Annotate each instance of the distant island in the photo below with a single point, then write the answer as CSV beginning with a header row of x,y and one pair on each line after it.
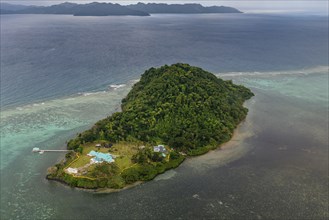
x,y
108,9
160,8
171,113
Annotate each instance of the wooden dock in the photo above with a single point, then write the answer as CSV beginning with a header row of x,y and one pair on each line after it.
x,y
38,150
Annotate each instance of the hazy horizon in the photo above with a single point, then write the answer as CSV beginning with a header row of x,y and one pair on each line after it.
x,y
60,74
291,6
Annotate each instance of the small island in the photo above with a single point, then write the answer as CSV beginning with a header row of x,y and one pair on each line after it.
x,y
171,113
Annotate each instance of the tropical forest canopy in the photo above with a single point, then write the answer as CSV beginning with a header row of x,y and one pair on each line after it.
x,y
184,107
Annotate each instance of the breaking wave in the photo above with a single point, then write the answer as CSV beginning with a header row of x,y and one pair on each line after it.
x,y
306,71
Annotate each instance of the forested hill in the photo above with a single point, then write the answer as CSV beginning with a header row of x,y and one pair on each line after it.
x,y
180,105
89,9
158,8
107,9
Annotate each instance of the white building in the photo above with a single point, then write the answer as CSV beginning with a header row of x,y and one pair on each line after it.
x,y
160,148
72,170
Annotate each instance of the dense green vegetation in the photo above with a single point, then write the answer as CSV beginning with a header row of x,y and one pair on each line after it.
x,y
184,107
108,175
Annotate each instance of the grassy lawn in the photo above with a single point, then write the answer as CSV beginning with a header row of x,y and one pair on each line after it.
x,y
123,151
83,160
89,147
123,162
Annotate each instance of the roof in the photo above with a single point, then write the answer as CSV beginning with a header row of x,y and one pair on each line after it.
x,y
159,148
72,170
100,157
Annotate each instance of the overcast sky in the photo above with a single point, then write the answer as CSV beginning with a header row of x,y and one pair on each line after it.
x,y
258,6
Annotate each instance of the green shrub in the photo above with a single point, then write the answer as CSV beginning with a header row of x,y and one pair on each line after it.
x,y
179,105
174,155
130,175
116,182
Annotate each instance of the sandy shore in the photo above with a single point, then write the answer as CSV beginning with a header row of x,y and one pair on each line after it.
x,y
232,150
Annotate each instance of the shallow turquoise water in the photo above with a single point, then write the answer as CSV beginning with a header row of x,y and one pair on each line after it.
x,y
52,88
29,126
277,168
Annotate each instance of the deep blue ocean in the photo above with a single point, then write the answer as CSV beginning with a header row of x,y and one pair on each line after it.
x,y
60,74
46,57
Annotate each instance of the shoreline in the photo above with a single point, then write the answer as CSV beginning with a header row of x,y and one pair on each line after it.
x,y
237,136
229,151
164,120
97,190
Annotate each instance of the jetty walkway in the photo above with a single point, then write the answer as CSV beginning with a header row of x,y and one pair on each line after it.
x,y
38,150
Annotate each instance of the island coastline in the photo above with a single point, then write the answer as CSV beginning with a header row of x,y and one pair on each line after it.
x,y
237,134
129,162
